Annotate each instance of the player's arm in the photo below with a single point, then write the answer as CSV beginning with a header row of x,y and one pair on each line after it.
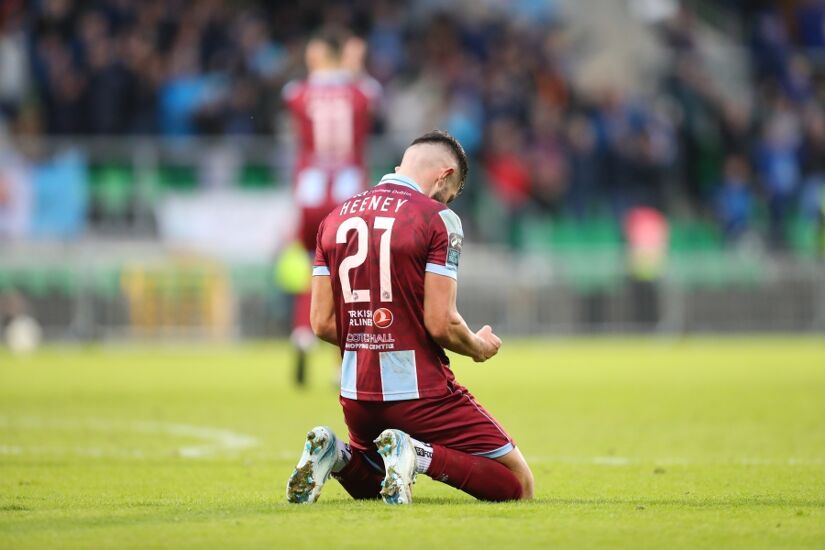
x,y
322,310
322,303
447,327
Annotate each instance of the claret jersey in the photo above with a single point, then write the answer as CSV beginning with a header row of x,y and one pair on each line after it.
x,y
376,247
332,112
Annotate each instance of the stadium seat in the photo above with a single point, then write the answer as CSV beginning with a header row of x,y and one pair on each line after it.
x,y
694,236
802,236
112,191
106,282
6,280
256,177
252,278
177,178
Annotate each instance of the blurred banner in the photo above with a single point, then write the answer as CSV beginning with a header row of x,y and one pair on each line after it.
x,y
227,225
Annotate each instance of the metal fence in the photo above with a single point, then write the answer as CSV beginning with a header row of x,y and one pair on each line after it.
x,y
119,280
697,293
137,291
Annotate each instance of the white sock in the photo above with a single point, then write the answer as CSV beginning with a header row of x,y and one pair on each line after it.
x,y
344,453
423,456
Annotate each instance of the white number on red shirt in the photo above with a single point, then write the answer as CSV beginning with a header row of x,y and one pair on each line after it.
x,y
360,256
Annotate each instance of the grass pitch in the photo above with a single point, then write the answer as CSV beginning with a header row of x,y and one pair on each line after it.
x,y
636,444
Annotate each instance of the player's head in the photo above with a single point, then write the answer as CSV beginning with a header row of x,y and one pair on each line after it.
x,y
325,49
438,163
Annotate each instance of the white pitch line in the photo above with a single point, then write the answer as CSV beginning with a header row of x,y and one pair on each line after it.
x,y
673,461
91,452
217,440
224,441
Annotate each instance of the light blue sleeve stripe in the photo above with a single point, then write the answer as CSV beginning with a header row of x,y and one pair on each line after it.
x,y
320,270
442,270
497,453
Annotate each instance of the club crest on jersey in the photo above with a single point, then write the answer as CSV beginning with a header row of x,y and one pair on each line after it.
x,y
455,241
382,318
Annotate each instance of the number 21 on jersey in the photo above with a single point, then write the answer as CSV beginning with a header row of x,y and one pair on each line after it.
x,y
360,256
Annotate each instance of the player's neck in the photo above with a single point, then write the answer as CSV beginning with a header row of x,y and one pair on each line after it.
x,y
422,183
325,68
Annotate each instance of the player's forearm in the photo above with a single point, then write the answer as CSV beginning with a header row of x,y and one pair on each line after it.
x,y
456,336
325,330
330,336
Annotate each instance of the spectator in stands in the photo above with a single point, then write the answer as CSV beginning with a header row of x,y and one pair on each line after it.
x,y
109,83
777,162
15,195
63,85
14,69
55,198
813,162
508,172
770,47
583,188
182,94
810,22
548,163
208,68
734,199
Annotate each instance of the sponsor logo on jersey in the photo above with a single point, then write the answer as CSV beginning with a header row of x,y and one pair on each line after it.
x,y
360,318
382,318
381,341
455,242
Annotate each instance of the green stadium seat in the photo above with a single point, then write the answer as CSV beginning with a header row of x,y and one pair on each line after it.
x,y
106,283
63,280
6,280
376,172
177,178
565,235
33,281
112,190
149,189
535,232
694,236
256,177
252,278
592,271
802,236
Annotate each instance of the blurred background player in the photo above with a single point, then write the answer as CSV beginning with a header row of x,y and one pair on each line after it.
x,y
332,112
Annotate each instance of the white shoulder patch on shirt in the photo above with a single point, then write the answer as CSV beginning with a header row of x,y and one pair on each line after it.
x,y
451,221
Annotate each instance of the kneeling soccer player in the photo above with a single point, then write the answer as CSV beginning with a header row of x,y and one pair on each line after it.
x,y
384,290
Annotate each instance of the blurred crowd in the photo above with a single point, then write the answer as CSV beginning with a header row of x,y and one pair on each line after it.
x,y
500,79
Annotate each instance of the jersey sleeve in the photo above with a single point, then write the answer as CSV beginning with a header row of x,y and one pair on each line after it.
x,y
320,267
372,90
446,240
290,93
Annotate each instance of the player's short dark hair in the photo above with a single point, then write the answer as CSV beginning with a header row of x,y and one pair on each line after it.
x,y
440,137
333,38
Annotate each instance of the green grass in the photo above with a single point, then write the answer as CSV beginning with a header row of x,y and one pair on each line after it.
x,y
633,443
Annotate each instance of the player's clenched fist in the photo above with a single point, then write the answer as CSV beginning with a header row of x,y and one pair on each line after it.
x,y
489,344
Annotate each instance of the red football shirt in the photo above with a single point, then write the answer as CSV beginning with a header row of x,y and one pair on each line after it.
x,y
332,114
376,247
